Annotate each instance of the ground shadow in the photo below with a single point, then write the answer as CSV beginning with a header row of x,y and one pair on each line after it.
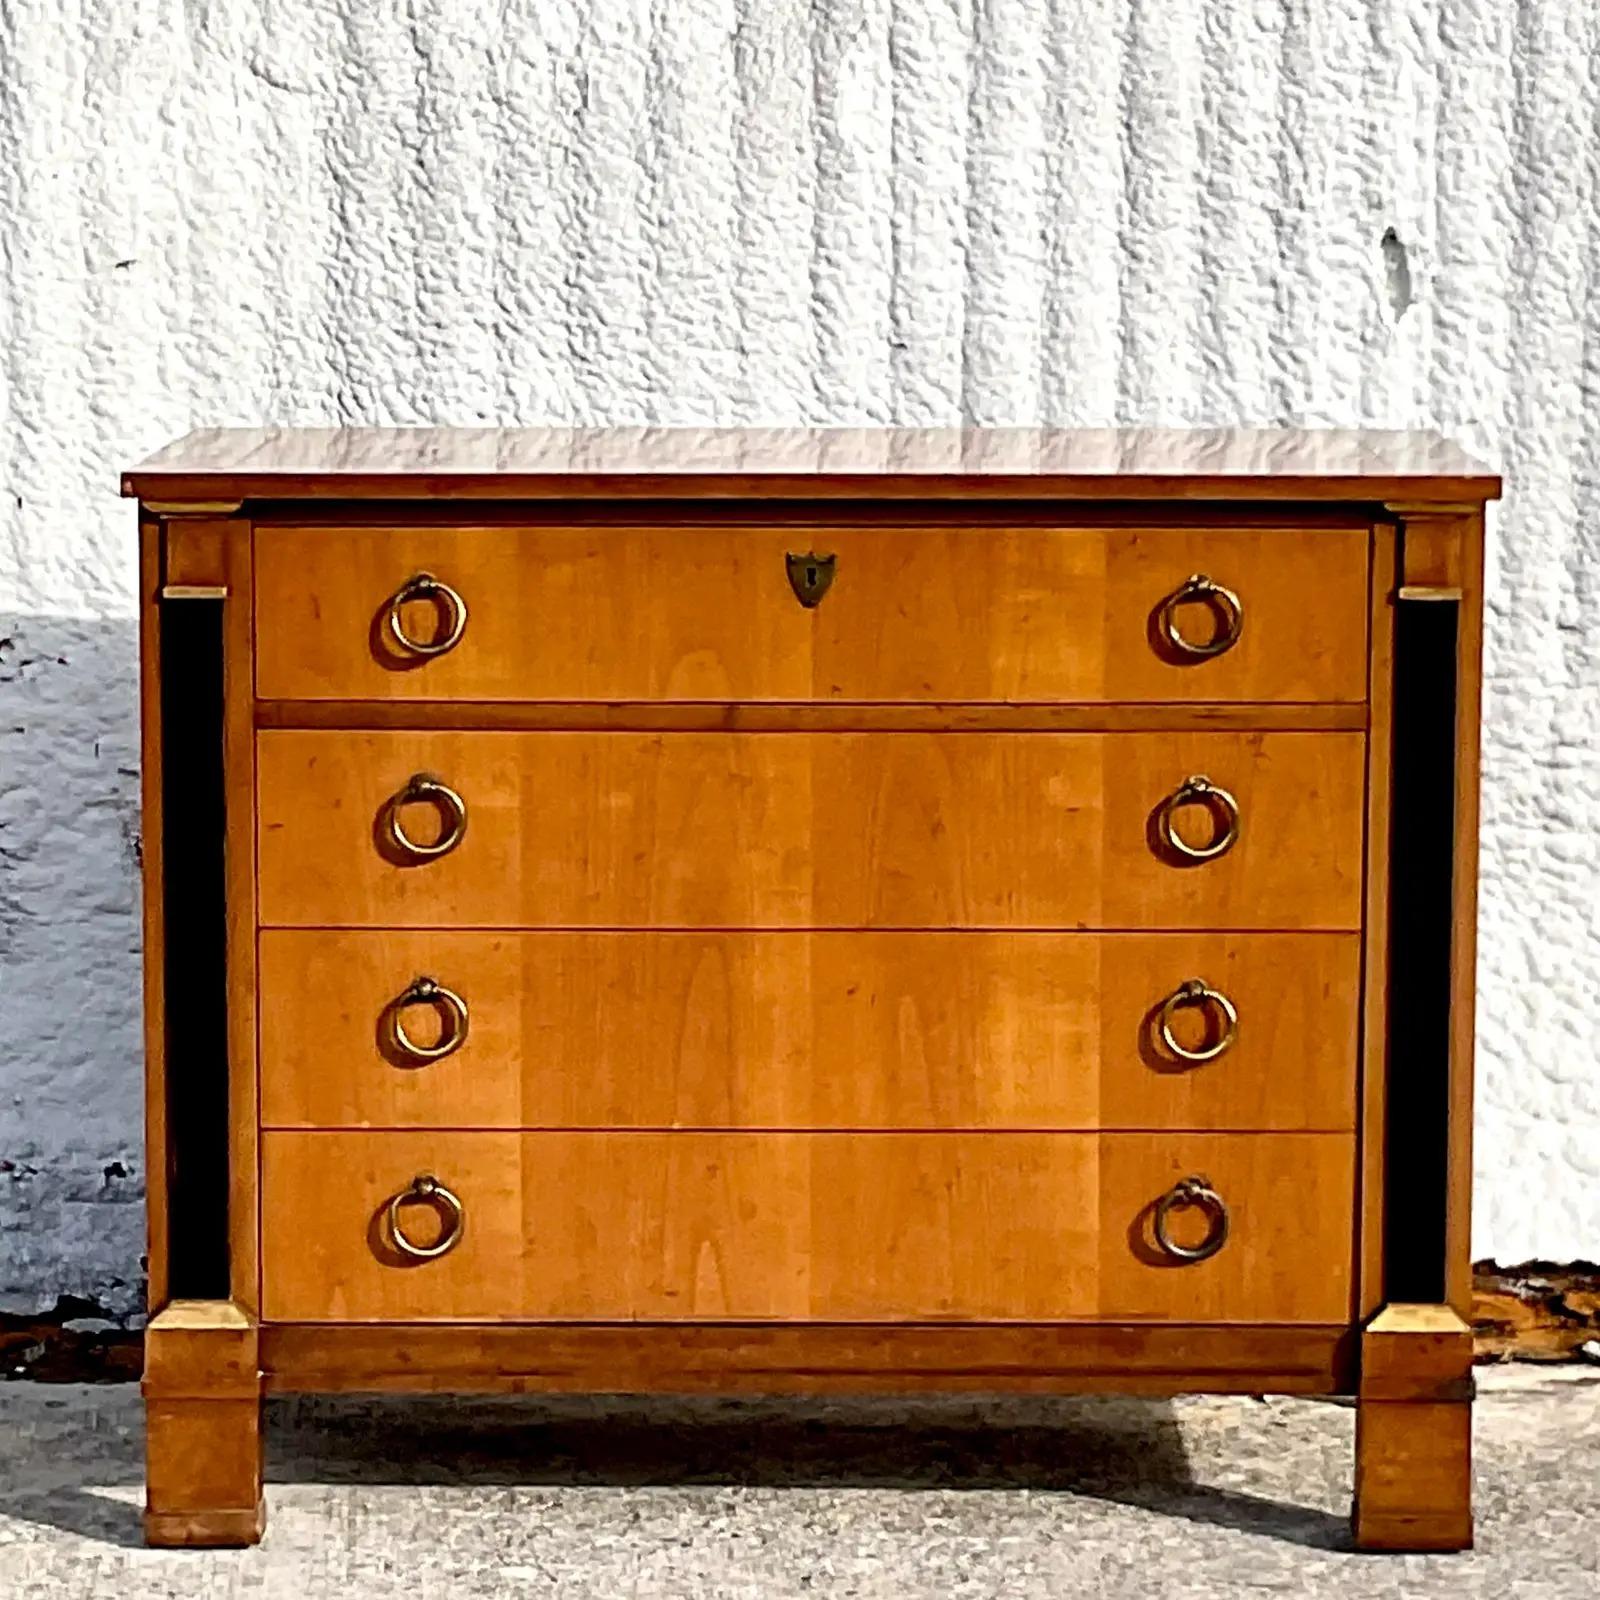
x,y
1111,1448
61,1446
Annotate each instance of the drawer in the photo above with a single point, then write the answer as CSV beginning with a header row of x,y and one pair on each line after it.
x,y
800,830
796,1226
807,1030
933,613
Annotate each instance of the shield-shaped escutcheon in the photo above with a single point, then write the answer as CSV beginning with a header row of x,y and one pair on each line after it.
x,y
810,576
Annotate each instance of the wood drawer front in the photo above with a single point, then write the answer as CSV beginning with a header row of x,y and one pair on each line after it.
x,y
796,1226
930,613
811,830
807,1030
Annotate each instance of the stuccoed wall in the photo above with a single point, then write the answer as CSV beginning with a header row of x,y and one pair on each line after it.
x,y
850,211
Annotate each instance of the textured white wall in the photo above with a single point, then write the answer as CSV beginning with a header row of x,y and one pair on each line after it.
x,y
855,211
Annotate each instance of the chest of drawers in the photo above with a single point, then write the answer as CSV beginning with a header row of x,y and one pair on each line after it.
x,y
807,911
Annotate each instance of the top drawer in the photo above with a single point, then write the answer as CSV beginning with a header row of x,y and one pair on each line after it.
x,y
712,613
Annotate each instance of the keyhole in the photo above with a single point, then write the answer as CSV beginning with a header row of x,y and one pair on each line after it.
x,y
811,577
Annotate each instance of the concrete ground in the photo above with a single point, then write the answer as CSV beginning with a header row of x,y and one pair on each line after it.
x,y
611,1498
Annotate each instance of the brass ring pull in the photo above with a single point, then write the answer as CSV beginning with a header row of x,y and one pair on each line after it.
x,y
1227,605
1197,992
1200,791
424,586
426,992
429,1191
425,787
1194,1191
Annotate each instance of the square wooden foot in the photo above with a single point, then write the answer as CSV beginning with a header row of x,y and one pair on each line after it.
x,y
1414,1432
202,1389
1413,1476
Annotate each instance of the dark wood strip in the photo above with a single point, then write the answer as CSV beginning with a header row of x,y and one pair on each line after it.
x,y
793,717
192,1205
814,1358
854,1129
699,929
1269,517
1421,958
152,858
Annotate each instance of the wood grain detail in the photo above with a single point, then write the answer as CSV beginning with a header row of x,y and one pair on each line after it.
x,y
807,1030
195,555
1414,1431
1464,918
974,614
831,1227
200,1350
202,1389
1375,926
239,849
1413,1477
765,1358
811,830
788,716
1183,464
812,953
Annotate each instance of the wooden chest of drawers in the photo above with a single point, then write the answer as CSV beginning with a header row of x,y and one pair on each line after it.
x,y
810,911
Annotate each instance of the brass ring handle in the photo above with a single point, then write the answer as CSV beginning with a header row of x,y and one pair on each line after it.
x,y
1199,791
426,992
1197,992
1195,1191
424,786
424,586
1231,609
429,1191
